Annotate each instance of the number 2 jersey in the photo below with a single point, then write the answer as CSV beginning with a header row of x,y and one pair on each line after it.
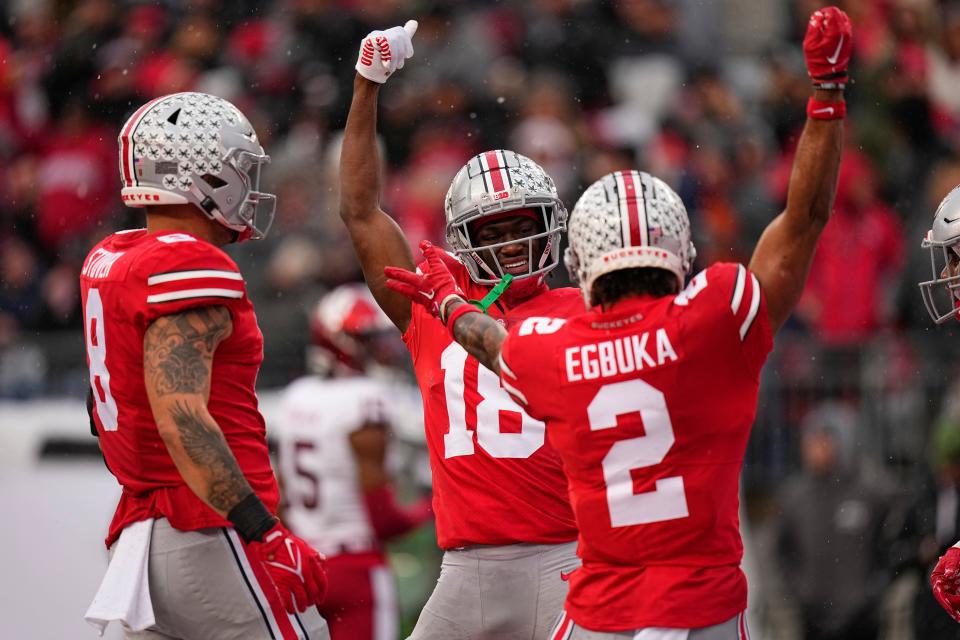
x,y
495,479
650,405
129,280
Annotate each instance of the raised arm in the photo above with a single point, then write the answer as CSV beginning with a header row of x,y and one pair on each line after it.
x,y
782,257
377,239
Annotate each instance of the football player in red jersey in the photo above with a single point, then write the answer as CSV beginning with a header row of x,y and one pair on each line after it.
x,y
941,295
502,512
174,349
332,432
649,396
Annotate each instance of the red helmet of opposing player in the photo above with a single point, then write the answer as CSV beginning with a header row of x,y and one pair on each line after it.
x,y
350,333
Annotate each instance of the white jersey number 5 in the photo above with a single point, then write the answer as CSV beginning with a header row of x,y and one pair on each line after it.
x,y
668,501
106,406
493,402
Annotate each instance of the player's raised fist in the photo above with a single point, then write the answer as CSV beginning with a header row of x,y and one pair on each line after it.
x,y
945,581
383,52
827,47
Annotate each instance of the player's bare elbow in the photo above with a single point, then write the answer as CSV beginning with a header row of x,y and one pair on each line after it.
x,y
167,429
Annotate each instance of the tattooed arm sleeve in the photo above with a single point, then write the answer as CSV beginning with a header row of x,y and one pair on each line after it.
x,y
177,361
480,335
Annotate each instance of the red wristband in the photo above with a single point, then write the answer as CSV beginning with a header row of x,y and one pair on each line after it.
x,y
820,110
463,309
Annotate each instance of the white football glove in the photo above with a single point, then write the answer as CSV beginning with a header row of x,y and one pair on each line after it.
x,y
383,52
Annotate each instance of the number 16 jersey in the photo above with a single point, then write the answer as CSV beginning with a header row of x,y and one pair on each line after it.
x,y
496,480
650,405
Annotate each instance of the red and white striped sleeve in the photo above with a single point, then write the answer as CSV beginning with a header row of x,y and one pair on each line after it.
x,y
192,273
745,301
749,310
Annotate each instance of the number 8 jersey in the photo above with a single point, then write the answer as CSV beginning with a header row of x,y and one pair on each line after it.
x,y
129,280
650,406
495,479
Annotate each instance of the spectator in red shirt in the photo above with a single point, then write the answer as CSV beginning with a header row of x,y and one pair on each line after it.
x,y
76,178
852,280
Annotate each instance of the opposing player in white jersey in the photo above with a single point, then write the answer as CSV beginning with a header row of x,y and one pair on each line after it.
x,y
503,513
333,427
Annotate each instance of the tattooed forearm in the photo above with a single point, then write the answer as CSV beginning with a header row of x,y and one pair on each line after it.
x,y
178,349
481,336
205,445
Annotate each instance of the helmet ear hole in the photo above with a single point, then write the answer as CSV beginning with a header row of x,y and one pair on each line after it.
x,y
214,181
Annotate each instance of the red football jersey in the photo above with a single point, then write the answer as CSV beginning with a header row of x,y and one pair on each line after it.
x,y
649,406
495,479
128,280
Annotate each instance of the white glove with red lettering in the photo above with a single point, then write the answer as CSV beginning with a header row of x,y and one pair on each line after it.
x,y
383,52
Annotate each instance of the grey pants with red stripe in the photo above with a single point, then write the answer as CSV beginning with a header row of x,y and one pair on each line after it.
x,y
733,629
203,587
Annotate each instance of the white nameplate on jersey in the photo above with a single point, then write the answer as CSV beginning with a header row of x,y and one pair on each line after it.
x,y
170,238
99,263
617,357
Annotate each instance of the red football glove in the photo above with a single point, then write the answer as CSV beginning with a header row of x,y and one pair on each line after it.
x,y
827,47
296,568
434,288
946,582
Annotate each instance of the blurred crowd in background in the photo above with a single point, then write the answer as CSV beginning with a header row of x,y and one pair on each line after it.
x,y
707,94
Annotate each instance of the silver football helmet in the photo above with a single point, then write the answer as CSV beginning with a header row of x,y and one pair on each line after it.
x,y
199,149
494,183
624,220
941,294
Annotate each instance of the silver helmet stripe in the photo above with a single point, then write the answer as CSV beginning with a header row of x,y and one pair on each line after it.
x,y
630,192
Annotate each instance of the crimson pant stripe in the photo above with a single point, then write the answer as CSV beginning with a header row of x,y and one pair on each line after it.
x,y
562,627
496,177
253,594
126,150
296,616
263,588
